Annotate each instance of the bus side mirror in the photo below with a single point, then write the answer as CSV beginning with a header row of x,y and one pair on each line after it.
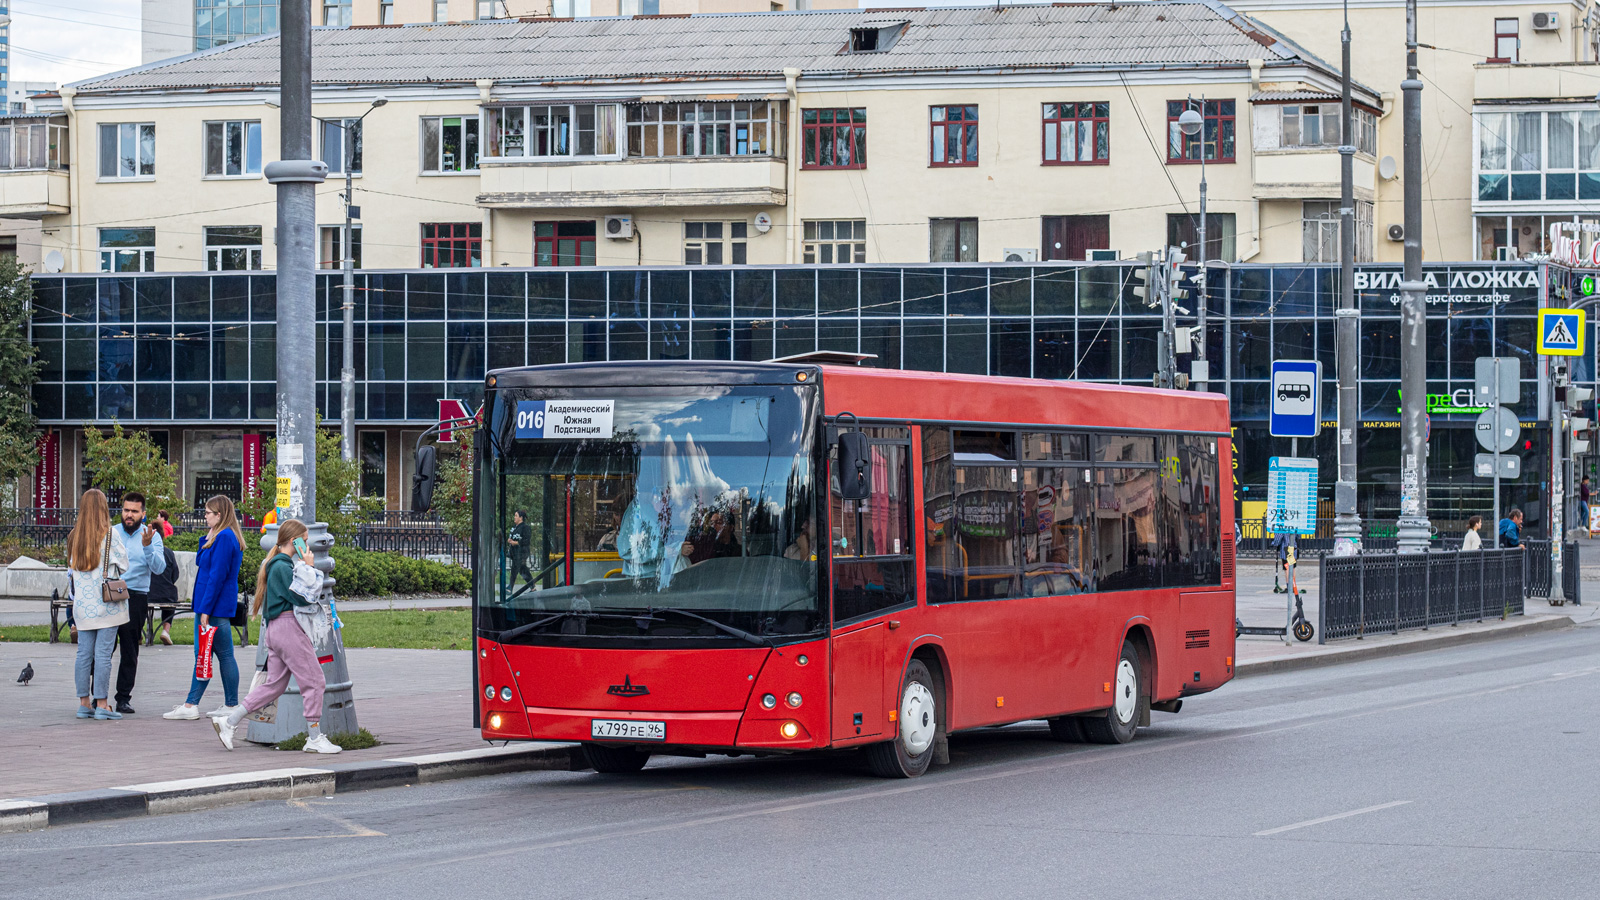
x,y
422,482
855,466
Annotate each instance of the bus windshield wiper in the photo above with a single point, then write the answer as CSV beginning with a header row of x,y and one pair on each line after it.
x,y
520,630
720,626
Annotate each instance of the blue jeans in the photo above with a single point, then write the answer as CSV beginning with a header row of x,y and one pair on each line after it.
x,y
222,646
94,662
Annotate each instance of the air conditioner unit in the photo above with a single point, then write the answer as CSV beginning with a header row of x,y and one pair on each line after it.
x,y
1505,254
1546,21
1021,254
1102,256
619,228
1397,232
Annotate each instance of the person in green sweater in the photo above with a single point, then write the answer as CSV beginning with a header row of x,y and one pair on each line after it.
x,y
289,650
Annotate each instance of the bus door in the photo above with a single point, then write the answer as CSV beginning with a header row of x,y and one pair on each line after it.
x,y
581,515
873,568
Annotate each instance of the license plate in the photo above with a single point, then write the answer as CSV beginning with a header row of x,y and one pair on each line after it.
x,y
627,730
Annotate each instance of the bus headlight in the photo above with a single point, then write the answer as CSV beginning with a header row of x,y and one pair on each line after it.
x,y
488,692
505,693
789,730
793,699
768,701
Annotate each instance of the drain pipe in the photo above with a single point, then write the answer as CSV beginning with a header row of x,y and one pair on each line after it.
x,y
790,78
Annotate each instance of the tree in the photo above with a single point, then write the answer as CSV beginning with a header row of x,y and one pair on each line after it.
x,y
19,370
338,481
125,461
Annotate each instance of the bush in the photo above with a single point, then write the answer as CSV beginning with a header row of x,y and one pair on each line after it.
x,y
356,572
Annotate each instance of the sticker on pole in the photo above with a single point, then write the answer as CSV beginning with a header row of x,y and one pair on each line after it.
x,y
564,419
1296,398
1561,332
1292,495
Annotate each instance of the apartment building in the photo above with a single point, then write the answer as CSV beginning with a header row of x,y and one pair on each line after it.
x,y
178,27
975,134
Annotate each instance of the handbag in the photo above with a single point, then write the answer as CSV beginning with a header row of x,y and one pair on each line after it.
x,y
112,590
205,640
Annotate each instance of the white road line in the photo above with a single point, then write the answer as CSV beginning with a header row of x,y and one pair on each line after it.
x,y
1343,815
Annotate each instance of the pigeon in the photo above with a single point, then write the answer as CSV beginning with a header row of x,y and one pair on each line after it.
x,y
26,676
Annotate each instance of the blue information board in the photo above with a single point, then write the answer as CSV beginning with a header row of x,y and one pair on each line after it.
x,y
1292,495
1296,398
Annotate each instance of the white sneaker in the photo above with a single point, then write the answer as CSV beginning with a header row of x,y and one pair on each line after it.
x,y
222,711
321,744
224,732
182,711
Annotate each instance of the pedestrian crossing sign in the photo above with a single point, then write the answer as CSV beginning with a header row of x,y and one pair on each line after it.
x,y
1561,332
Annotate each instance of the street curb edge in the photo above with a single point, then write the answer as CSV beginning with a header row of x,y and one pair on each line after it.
x,y
1380,651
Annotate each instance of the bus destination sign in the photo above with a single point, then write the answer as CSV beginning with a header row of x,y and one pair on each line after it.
x,y
564,419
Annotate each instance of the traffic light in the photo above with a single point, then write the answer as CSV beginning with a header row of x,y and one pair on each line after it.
x,y
1174,275
1143,280
1582,434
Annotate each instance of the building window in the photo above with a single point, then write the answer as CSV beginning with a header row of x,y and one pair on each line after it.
x,y
1077,134
1072,237
714,243
954,135
491,9
336,13
1318,125
1217,136
569,9
127,249
233,248
651,7
952,240
233,149
452,245
834,138
374,463
1552,155
386,12
552,132
1184,228
835,241
334,133
8,246
128,150
35,145
705,129
1506,42
330,240
563,243
1319,231
449,144
217,23
441,10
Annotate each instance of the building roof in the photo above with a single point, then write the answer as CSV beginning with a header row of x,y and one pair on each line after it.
x,y
1129,35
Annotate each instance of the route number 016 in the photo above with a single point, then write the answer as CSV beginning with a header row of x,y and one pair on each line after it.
x,y
531,418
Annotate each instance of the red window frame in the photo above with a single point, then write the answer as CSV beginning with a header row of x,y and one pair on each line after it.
x,y
549,238
1220,128
1515,34
964,120
451,245
824,131
1094,115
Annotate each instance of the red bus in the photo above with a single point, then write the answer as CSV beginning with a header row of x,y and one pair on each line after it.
x,y
757,558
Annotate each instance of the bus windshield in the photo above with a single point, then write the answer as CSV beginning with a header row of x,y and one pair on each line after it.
x,y
651,513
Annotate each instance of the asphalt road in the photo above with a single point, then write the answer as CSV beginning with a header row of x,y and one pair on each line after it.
x,y
1453,774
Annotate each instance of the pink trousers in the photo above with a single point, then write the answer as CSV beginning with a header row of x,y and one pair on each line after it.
x,y
289,653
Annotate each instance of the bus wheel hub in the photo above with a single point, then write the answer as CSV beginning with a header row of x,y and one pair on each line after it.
x,y
917,719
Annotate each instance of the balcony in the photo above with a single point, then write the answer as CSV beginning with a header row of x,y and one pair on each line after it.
x,y
632,183
1311,174
33,167
1535,81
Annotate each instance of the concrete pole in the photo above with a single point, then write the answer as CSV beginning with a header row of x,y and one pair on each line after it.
x,y
1202,375
1413,529
1347,515
296,176
347,374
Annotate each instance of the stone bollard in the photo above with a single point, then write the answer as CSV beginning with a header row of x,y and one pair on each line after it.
x,y
338,700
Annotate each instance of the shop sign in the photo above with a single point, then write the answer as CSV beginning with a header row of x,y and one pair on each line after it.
x,y
252,463
47,475
1457,402
1566,243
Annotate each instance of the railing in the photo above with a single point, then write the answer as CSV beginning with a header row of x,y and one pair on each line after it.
x,y
417,541
1256,538
1390,593
1571,575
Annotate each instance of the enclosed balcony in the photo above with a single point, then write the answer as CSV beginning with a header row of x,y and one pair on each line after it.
x,y
1296,143
34,158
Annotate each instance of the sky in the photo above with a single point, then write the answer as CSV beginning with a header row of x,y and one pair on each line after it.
x,y
69,40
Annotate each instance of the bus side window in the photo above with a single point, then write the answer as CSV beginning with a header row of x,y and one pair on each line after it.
x,y
872,558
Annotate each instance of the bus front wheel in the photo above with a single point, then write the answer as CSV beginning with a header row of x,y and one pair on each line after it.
x,y
1118,724
909,754
614,760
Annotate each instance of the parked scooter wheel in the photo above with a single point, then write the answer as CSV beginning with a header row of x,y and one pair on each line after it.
x,y
1303,630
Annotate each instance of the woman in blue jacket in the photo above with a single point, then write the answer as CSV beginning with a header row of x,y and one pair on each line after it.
x,y
216,600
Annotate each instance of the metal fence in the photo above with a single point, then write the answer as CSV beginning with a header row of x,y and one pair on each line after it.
x,y
418,541
1255,541
1571,574
1389,592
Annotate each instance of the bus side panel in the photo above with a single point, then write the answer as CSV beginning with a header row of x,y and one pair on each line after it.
x,y
1206,661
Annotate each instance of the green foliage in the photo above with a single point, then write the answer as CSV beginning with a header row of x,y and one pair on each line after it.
x,y
19,370
130,461
356,572
452,496
338,480
344,740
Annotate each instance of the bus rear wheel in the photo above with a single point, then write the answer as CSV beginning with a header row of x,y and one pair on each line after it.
x,y
614,760
909,754
1118,724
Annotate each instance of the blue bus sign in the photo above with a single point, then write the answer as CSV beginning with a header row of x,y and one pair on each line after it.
x,y
1296,398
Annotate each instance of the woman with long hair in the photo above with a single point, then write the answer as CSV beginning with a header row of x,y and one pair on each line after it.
x,y
216,600
93,557
289,650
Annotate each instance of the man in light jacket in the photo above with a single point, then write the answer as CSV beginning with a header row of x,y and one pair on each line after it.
x,y
146,556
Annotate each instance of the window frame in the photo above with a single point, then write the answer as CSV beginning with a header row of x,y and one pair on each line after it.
x,y
493,136
1514,35
684,122
253,252
469,243
343,129
960,224
811,246
1049,124
731,242
855,128
347,14
138,133
475,134
963,125
562,230
145,253
1175,109
334,235
245,131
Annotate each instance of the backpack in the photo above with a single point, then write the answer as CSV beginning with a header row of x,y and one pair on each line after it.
x,y
164,585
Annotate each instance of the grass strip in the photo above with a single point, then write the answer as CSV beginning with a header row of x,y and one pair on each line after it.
x,y
395,629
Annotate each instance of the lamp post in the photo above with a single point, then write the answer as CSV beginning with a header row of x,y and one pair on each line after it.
x,y
1347,518
1192,123
347,374
1412,529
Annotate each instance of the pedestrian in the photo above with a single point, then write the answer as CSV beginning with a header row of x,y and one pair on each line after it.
x,y
1583,501
216,601
95,560
1282,542
1472,540
164,591
165,523
1511,529
289,650
146,557
519,540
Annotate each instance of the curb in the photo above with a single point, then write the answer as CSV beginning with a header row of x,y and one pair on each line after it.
x,y
190,794
1379,651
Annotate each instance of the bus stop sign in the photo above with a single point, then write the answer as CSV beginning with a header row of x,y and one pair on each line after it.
x,y
1296,398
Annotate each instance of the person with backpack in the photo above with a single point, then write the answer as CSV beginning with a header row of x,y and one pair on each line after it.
x,y
164,590
289,650
216,602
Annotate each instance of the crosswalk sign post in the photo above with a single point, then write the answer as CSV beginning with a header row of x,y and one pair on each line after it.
x,y
1561,332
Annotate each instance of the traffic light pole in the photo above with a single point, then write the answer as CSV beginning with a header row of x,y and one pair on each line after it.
x,y
1413,530
1347,516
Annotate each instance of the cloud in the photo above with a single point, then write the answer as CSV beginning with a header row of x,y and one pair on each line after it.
x,y
66,42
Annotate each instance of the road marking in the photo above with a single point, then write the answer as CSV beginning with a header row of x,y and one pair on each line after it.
x,y
1335,816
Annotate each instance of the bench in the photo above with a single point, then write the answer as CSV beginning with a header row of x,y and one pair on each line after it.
x,y
59,623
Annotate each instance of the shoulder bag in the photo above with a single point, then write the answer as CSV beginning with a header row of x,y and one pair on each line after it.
x,y
112,590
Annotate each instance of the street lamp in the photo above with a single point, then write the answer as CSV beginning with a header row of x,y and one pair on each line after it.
x,y
347,374
1191,123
